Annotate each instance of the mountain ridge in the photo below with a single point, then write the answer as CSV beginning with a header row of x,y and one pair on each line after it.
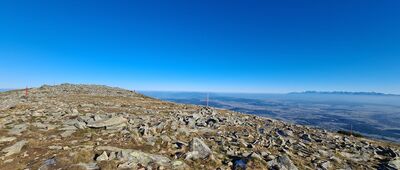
x,y
345,93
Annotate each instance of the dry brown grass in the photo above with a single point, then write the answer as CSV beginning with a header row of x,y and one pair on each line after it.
x,y
83,156
108,165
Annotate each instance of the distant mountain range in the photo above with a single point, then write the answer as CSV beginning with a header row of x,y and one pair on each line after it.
x,y
345,93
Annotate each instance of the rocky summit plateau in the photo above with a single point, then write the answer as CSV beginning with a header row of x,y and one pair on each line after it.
x,y
98,127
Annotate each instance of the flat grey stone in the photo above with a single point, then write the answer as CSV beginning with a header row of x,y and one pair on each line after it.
x,y
18,129
107,122
16,148
6,139
67,133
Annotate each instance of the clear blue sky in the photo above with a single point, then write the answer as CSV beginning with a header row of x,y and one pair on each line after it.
x,y
205,45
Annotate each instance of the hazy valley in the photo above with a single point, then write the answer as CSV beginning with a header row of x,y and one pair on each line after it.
x,y
374,115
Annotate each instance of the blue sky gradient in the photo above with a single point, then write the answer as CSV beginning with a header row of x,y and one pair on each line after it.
x,y
223,46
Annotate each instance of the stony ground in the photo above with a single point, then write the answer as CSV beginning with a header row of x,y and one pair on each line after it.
x,y
97,127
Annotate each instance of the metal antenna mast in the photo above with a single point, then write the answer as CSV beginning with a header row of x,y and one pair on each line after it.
x,y
351,129
207,100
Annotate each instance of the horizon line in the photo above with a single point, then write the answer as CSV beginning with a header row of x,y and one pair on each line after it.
x,y
230,92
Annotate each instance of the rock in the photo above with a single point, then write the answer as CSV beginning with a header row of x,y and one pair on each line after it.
x,y
43,126
179,144
47,164
75,112
325,165
269,157
246,154
16,148
37,114
112,156
144,157
55,147
279,141
8,160
102,157
197,145
67,133
119,127
108,122
323,153
7,139
212,121
256,156
335,159
284,133
179,165
239,164
97,118
87,166
394,164
124,155
84,119
282,162
18,129
306,137
201,123
144,131
265,154
138,157
194,155
80,125
184,131
386,152
165,138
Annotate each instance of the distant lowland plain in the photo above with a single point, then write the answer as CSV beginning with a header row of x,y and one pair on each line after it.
x,y
371,114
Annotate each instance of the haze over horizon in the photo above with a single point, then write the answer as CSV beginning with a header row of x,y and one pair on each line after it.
x,y
252,46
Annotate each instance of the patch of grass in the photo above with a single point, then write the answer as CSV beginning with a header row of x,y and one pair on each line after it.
x,y
107,165
82,132
83,156
13,165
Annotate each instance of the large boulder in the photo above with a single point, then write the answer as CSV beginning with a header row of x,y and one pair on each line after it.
x,y
16,148
394,164
198,149
282,162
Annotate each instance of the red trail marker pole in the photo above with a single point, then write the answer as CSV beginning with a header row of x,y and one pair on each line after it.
x,y
26,91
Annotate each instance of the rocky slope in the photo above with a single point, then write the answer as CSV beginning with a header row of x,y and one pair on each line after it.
x,y
98,127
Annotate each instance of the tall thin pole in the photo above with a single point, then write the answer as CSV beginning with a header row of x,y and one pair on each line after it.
x,y
351,129
207,100
26,91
